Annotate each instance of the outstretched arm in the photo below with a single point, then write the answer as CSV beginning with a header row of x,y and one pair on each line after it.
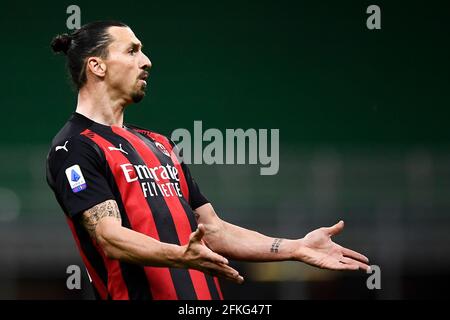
x,y
103,223
316,248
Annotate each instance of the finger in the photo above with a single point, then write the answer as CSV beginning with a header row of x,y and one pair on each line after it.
x,y
354,255
198,234
360,265
216,258
238,279
345,266
336,229
223,271
351,267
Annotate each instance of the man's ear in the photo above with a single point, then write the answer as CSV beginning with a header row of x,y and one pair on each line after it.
x,y
96,66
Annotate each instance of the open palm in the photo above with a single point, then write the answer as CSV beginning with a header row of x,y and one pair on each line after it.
x,y
320,251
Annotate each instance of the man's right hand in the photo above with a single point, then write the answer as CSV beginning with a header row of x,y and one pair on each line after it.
x,y
198,256
103,222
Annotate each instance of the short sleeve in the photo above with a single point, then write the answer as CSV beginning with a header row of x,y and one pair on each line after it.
x,y
77,176
196,198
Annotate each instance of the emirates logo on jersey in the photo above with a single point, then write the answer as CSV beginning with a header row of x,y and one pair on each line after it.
x,y
162,148
157,181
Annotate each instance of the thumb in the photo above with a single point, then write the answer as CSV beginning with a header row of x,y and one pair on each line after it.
x,y
198,234
336,229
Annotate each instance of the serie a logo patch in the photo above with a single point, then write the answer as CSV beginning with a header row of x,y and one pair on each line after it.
x,y
76,179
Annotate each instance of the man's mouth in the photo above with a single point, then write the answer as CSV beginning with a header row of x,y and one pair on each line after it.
x,y
144,77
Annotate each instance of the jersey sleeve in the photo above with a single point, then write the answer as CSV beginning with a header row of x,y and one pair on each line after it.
x,y
78,177
196,197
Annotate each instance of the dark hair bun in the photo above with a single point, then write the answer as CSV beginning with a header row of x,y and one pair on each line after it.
x,y
61,43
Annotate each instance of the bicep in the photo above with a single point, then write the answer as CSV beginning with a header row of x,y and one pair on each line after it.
x,y
96,218
206,214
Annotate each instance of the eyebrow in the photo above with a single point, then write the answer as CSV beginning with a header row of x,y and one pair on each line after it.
x,y
135,45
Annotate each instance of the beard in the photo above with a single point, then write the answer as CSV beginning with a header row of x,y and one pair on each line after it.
x,y
139,94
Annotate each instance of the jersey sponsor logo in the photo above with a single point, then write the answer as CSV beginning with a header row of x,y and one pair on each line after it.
x,y
156,181
76,178
118,149
162,149
64,147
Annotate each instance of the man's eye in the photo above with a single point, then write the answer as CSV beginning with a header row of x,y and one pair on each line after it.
x,y
132,52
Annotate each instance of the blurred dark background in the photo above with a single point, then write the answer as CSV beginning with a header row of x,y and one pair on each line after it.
x,y
364,137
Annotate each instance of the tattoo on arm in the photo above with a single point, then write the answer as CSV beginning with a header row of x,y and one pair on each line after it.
x,y
276,245
92,216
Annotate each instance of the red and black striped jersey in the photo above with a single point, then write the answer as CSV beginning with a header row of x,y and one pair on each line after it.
x,y
90,163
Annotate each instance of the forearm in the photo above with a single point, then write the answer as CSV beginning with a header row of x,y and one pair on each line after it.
x,y
103,223
247,245
133,247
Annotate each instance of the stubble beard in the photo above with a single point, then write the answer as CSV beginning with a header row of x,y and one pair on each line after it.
x,y
139,94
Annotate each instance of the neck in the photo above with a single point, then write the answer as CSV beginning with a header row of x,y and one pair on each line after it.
x,y
97,105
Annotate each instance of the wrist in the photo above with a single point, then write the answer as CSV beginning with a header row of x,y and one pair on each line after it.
x,y
294,249
176,256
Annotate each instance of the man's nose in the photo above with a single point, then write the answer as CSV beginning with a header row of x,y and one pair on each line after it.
x,y
146,63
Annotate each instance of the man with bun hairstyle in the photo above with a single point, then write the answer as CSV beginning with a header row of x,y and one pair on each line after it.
x,y
143,228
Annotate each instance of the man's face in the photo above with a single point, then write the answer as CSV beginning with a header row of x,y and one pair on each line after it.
x,y
125,65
